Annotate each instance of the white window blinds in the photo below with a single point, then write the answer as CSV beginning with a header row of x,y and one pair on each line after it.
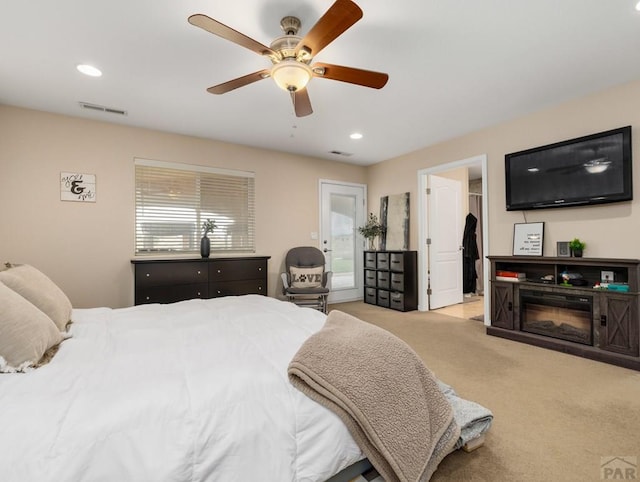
x,y
173,200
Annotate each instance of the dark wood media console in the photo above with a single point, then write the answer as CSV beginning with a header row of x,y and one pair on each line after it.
x,y
542,310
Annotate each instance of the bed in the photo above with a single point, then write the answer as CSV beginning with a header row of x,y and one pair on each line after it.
x,y
195,390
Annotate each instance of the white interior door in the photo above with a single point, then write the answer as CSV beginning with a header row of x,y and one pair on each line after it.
x,y
445,248
342,211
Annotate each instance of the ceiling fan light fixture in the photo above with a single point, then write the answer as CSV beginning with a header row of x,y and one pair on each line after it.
x,y
89,70
597,166
291,75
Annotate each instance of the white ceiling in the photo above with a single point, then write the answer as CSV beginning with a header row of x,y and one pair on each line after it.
x,y
454,67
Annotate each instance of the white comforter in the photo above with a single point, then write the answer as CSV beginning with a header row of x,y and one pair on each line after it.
x,y
191,391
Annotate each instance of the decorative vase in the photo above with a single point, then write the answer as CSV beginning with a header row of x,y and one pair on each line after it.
x,y
372,244
205,247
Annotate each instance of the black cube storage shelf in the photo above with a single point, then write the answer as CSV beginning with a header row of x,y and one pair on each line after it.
x,y
391,279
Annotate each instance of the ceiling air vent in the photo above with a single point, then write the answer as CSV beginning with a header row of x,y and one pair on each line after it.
x,y
102,108
340,153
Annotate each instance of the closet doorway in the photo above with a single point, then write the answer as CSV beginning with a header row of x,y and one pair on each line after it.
x,y
474,174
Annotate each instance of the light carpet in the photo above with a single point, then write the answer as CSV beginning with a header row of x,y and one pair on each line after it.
x,y
558,417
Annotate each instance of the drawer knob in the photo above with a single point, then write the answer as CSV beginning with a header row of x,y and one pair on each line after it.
x,y
198,293
260,269
148,274
219,271
198,273
218,291
147,298
259,288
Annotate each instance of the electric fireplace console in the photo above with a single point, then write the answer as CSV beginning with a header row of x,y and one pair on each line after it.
x,y
562,304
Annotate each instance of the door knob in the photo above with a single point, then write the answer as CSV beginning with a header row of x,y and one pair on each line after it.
x,y
325,250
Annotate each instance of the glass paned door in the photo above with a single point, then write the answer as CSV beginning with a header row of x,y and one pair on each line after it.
x,y
342,213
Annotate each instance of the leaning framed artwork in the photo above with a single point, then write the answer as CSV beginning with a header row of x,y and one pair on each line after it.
x,y
394,216
528,239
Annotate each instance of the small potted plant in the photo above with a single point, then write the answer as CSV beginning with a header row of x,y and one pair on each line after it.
x,y
205,244
577,247
371,230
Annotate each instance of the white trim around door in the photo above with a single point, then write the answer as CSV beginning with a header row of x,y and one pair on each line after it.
x,y
423,261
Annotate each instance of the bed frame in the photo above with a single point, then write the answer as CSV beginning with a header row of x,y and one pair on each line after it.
x,y
362,466
351,472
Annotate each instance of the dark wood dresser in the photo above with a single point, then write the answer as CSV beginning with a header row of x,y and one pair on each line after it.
x,y
171,280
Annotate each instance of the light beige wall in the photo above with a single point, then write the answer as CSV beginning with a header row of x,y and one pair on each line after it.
x,y
86,247
609,230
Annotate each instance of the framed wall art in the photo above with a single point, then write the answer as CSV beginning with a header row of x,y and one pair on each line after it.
x,y
75,186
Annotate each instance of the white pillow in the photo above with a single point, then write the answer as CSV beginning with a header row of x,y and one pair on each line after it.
x,y
306,277
26,333
39,290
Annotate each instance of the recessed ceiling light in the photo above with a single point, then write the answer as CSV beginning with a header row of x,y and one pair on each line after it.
x,y
638,6
356,135
89,70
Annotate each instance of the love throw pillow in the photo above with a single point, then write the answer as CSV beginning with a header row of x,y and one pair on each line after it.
x,y
306,277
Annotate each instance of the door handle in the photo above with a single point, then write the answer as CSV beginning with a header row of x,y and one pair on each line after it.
x,y
325,250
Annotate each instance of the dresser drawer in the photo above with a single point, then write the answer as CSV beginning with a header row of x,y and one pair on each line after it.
x,y
383,298
164,274
383,260
397,282
171,294
240,287
383,279
237,269
396,262
396,301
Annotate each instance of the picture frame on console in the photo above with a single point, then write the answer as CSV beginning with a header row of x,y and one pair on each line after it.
x,y
528,239
563,250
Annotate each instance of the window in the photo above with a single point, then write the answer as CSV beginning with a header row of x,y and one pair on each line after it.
x,y
173,200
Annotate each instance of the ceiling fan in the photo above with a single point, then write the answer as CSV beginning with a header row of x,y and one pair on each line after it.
x,y
291,55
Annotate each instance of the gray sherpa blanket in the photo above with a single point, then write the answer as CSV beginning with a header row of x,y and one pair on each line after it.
x,y
472,418
389,400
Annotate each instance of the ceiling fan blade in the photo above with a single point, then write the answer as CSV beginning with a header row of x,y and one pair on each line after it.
x,y
239,82
340,16
221,30
366,78
301,103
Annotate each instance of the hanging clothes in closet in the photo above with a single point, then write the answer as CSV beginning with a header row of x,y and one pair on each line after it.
x,y
469,255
